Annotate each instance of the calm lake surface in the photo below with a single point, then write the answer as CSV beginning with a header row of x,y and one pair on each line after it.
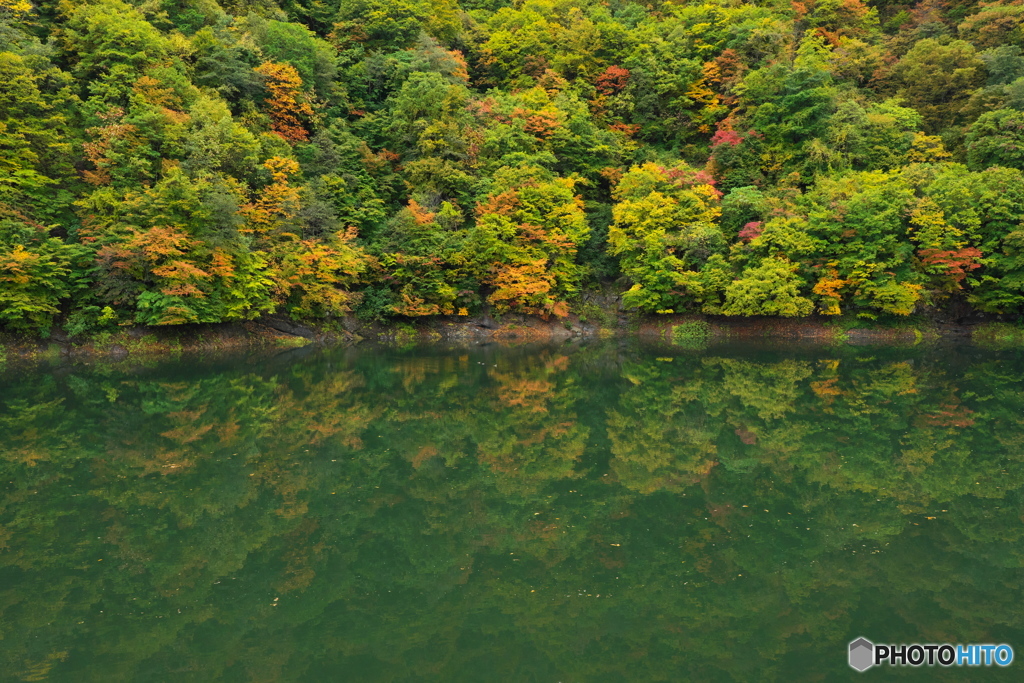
x,y
590,512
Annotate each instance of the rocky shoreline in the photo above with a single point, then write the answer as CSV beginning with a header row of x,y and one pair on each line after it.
x,y
275,333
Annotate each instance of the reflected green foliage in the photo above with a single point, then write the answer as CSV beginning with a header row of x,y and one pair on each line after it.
x,y
594,513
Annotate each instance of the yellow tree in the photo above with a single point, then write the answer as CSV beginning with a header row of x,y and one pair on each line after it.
x,y
523,246
310,276
285,103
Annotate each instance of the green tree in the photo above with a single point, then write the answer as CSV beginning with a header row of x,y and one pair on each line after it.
x,y
110,41
33,129
390,25
769,288
996,139
936,79
37,272
665,224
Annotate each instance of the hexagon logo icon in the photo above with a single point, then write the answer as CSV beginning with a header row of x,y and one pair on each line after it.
x,y
862,654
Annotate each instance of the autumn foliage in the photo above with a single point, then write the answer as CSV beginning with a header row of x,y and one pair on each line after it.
x,y
417,158
288,110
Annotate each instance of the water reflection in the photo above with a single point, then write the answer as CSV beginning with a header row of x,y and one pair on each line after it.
x,y
590,514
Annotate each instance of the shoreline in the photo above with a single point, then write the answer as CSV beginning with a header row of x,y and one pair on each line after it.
x,y
276,334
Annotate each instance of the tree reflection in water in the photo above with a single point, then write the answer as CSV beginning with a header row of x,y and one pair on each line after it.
x,y
509,514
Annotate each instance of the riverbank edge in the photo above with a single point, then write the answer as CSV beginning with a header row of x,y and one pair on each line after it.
x,y
274,333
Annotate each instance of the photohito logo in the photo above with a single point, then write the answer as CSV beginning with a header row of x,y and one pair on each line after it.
x,y
864,654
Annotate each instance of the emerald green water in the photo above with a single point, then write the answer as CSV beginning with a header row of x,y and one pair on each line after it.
x,y
603,512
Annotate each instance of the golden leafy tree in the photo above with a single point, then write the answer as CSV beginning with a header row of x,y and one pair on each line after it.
x,y
309,277
285,103
523,246
275,209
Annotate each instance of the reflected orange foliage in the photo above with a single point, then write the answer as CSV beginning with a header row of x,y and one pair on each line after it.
x,y
425,453
527,393
950,415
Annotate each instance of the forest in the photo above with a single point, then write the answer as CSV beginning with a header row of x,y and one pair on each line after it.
x,y
166,162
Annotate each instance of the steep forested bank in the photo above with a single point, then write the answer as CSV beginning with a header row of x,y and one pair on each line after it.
x,y
169,162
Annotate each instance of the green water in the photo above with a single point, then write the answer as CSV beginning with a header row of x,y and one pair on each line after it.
x,y
600,512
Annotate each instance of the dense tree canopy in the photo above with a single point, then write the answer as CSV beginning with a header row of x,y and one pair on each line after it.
x,y
164,163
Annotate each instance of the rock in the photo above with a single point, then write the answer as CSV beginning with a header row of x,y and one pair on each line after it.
x,y
486,322
287,326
